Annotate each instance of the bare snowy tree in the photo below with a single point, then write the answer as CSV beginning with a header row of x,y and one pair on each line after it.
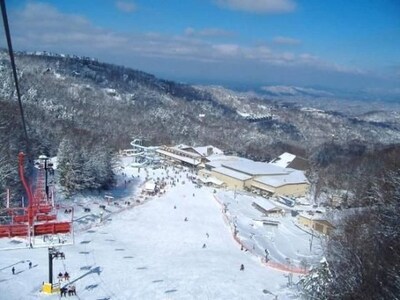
x,y
363,255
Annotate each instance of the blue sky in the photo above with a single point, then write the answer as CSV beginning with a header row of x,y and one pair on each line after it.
x,y
346,45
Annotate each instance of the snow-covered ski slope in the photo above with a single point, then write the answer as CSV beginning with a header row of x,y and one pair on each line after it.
x,y
287,244
151,252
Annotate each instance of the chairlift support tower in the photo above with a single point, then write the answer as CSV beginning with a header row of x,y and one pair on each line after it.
x,y
39,224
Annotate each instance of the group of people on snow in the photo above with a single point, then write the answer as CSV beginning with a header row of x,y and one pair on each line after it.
x,y
70,290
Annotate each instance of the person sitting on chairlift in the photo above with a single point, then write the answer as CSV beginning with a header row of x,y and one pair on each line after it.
x,y
66,275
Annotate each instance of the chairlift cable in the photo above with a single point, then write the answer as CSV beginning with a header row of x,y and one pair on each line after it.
x,y
14,69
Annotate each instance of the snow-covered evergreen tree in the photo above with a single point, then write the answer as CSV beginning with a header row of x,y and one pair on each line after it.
x,y
84,165
69,166
314,285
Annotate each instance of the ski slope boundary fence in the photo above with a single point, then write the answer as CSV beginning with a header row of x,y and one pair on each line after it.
x,y
272,264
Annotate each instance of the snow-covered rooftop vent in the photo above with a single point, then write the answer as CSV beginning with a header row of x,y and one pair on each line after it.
x,y
208,150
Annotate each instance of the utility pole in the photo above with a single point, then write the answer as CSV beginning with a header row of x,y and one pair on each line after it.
x,y
8,199
45,159
311,239
51,252
45,180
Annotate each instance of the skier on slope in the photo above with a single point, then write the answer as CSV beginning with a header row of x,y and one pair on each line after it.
x,y
266,255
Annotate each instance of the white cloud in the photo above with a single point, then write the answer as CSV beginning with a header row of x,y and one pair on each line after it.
x,y
126,6
259,6
43,16
189,31
281,40
227,49
208,32
68,33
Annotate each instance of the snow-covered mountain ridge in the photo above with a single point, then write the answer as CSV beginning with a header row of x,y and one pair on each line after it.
x,y
118,102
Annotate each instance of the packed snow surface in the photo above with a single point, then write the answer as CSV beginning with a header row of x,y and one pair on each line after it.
x,y
148,250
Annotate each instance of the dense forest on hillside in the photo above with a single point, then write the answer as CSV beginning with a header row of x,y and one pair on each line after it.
x,y
118,103
85,158
362,256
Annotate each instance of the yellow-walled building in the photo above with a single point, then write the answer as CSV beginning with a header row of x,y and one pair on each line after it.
x,y
240,173
291,184
232,178
316,223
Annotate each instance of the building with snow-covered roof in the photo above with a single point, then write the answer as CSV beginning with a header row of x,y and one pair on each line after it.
x,y
255,168
232,178
283,160
179,155
288,160
193,156
206,151
267,208
315,222
211,181
240,173
149,186
215,161
293,183
243,173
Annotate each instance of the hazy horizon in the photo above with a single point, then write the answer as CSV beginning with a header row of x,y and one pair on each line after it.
x,y
351,48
